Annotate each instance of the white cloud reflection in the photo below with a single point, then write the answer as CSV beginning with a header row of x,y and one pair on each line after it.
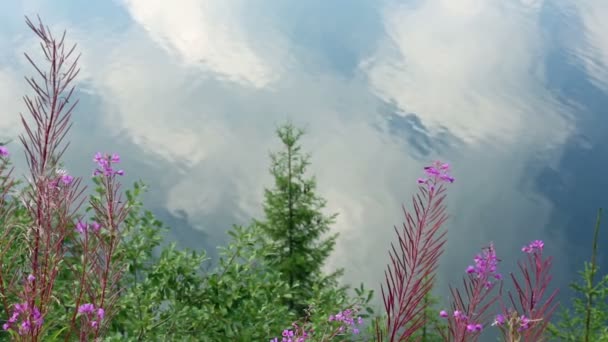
x,y
592,49
205,33
446,61
472,66
11,93
476,68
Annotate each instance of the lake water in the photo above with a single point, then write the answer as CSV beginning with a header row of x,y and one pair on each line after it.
x,y
512,93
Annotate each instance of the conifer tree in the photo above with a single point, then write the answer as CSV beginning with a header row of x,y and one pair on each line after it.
x,y
294,223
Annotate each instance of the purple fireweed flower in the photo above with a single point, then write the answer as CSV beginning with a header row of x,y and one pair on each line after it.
x,y
28,315
516,326
436,173
531,312
486,265
299,334
4,151
67,179
474,327
290,336
479,285
81,227
99,159
25,328
87,308
524,323
64,177
104,163
500,320
96,226
37,317
347,318
12,320
536,245
459,315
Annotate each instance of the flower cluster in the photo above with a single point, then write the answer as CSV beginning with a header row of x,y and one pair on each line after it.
x,y
4,151
104,162
513,325
516,324
298,334
436,173
460,317
486,265
347,318
478,290
94,316
515,321
30,315
536,245
63,179
82,227
291,336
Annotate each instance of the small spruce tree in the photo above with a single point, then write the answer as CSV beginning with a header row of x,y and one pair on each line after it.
x,y
294,223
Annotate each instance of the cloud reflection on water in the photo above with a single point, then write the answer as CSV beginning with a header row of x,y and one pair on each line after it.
x,y
205,33
196,92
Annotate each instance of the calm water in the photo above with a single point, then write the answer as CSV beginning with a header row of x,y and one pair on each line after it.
x,y
513,93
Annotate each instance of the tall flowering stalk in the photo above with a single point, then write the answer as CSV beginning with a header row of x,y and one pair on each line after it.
x,y
411,274
530,313
52,197
57,245
469,315
99,240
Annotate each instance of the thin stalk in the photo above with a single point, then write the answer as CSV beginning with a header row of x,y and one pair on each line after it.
x,y
591,277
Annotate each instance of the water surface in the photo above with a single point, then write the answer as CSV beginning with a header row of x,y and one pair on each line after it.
x,y
512,93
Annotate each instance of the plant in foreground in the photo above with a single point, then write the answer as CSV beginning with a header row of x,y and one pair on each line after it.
x,y
347,323
590,319
469,317
56,248
410,280
411,274
529,316
25,318
527,319
66,263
